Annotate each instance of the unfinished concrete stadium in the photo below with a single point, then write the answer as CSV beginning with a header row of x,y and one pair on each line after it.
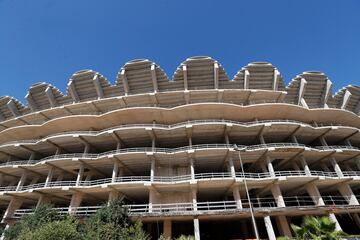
x,y
198,154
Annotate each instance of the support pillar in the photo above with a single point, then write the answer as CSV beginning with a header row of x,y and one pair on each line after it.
x,y
305,165
43,199
336,167
15,204
167,231
270,166
192,168
115,171
194,197
314,193
49,176
76,200
196,229
151,199
269,228
281,220
22,180
152,170
80,175
232,167
236,193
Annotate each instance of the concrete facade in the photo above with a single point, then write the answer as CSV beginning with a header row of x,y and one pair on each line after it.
x,y
174,151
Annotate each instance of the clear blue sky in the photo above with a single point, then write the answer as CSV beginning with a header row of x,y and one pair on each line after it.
x,y
46,40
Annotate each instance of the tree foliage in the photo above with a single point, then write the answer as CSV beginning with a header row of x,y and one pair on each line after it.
x,y
109,223
317,228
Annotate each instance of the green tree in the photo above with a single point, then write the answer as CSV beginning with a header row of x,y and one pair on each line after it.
x,y
108,223
65,229
317,228
111,223
42,215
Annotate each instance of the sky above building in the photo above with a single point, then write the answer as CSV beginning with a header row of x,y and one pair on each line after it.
x,y
48,41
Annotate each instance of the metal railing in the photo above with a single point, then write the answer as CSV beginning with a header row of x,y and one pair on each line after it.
x,y
172,150
175,179
259,204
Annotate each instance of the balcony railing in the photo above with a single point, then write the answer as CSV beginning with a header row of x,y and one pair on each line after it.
x,y
163,126
173,150
259,204
175,179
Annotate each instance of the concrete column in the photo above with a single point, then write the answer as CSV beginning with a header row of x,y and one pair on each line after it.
x,y
261,138
15,204
80,175
1,179
167,231
269,228
152,170
115,171
294,139
281,220
236,193
325,168
194,197
244,229
58,151
232,167
118,145
60,177
35,180
49,176
151,199
270,166
295,166
323,141
276,192
314,193
76,200
87,148
113,195
43,199
283,224
305,165
336,167
349,195
89,176
196,229
32,156
192,168
22,180
357,162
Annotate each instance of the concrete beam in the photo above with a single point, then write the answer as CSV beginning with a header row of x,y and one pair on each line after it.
x,y
31,103
50,96
326,93
357,108
97,86
276,80
302,89
346,99
154,78
216,75
13,109
73,92
246,79
184,69
125,82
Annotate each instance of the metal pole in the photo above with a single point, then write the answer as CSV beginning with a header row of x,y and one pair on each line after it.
x,y
247,194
